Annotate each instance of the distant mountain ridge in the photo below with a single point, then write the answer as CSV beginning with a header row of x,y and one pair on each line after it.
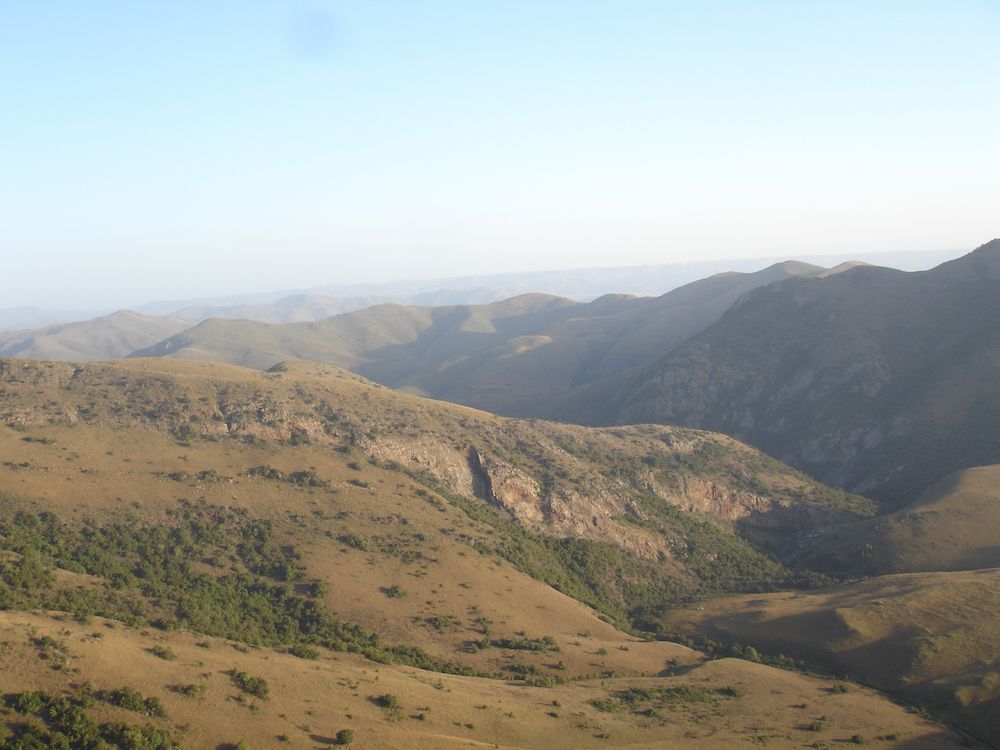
x,y
513,357
306,307
875,380
28,317
580,284
871,379
109,337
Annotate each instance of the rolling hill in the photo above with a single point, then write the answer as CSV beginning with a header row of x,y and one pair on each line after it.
x,y
686,504
109,337
929,637
875,380
29,316
514,357
298,308
951,527
295,553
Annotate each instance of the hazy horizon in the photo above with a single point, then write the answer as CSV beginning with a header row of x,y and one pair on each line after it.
x,y
184,150
686,272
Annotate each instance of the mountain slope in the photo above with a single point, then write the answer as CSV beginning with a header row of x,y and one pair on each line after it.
x,y
951,527
280,551
515,357
875,380
930,637
110,337
681,502
309,702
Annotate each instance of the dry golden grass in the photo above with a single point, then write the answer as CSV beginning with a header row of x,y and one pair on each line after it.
x,y
102,443
931,637
310,701
952,527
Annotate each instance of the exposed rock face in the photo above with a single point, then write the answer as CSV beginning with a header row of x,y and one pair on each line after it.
x,y
701,496
426,454
561,511
510,488
557,512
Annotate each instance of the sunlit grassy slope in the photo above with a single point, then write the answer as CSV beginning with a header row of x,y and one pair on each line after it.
x,y
931,637
338,540
952,527
110,336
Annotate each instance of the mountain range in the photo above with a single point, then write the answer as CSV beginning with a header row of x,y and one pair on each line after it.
x,y
108,337
872,379
200,554
875,380
316,303
512,357
765,497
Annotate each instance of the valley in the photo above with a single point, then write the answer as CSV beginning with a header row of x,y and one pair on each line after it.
x,y
499,375
209,521
633,584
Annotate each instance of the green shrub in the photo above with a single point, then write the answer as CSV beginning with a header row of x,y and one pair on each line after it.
x,y
255,686
190,690
353,540
163,652
389,701
132,700
149,569
66,724
303,651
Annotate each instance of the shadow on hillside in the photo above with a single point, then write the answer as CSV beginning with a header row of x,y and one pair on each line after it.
x,y
678,670
323,740
932,741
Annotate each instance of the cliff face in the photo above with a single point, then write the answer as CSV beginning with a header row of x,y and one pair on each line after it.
x,y
605,513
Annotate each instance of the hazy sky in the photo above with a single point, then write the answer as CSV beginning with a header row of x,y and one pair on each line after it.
x,y
177,148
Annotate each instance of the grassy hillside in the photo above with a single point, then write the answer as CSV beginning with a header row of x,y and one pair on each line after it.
x,y
109,337
294,553
931,637
199,697
680,510
512,357
952,527
876,380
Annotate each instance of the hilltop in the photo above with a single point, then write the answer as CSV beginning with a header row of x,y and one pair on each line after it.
x,y
109,337
690,502
298,308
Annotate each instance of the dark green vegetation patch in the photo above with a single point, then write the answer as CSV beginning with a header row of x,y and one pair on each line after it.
x,y
148,577
64,723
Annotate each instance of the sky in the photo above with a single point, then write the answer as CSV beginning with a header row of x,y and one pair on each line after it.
x,y
154,150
